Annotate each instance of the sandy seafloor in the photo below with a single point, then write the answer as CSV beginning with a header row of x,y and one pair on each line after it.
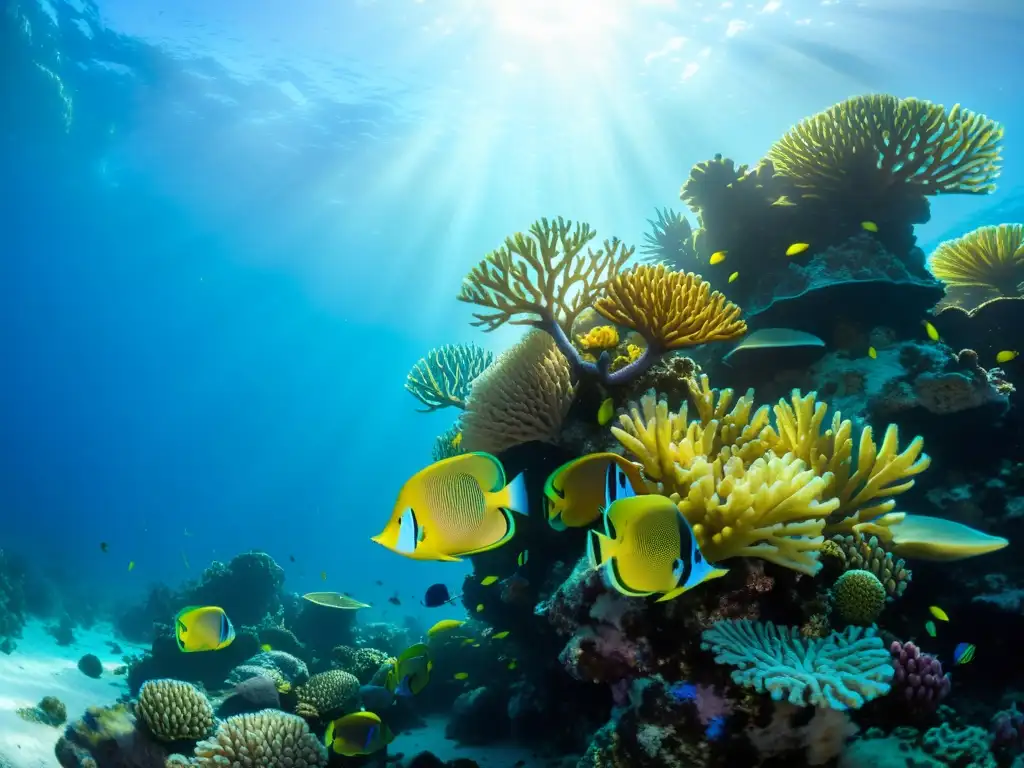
x,y
39,667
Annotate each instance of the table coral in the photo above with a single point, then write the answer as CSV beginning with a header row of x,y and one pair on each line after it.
x,y
445,375
842,671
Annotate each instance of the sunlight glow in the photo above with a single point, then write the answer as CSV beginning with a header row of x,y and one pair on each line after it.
x,y
543,22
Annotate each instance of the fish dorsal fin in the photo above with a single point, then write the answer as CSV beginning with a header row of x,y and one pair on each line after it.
x,y
185,610
482,467
414,651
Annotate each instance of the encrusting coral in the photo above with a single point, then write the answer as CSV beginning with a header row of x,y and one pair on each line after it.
x,y
757,489
174,710
983,264
841,671
267,739
445,375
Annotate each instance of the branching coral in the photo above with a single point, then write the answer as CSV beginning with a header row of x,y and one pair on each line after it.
x,y
882,140
753,488
448,443
443,378
670,241
982,264
266,739
174,710
523,396
842,671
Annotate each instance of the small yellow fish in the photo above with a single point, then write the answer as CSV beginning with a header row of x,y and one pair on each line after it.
x,y
512,664
323,575
410,672
576,492
479,607
797,248
869,226
938,613
476,645
1007,355
872,353
500,635
444,625
131,566
653,549
461,675
203,628
266,648
783,201
486,581
930,329
455,507
733,277
717,257
468,641
606,412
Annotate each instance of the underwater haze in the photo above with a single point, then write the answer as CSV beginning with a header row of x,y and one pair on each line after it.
x,y
229,231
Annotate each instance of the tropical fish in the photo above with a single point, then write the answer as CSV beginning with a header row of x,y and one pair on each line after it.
x,y
500,635
576,492
323,575
872,353
203,628
733,276
717,257
436,596
360,733
468,641
444,625
522,558
131,566
963,653
869,226
931,330
648,547
455,507
410,672
266,648
486,581
375,698
479,607
605,412
461,675
457,440
797,248
1003,357
513,664
334,600
395,599
938,613
783,201
929,627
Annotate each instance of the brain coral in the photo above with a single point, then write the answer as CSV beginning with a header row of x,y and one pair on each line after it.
x,y
859,597
267,739
175,710
841,671
330,692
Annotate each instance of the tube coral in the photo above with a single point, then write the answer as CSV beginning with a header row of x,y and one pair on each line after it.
x,y
444,376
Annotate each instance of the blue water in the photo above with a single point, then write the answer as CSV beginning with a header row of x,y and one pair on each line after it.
x,y
227,230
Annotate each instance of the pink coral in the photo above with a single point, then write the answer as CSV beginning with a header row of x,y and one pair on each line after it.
x,y
603,654
918,677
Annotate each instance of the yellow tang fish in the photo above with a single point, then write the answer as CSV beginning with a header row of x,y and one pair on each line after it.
x,y
444,625
1007,355
486,581
455,507
203,628
648,547
717,257
461,675
733,277
479,607
938,613
931,330
872,353
869,226
360,733
576,492
500,635
605,412
797,248
410,672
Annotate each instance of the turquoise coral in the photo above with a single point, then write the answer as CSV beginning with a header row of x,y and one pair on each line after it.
x,y
841,671
444,377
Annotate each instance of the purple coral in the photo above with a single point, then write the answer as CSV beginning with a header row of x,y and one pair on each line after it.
x,y
712,707
1007,730
918,677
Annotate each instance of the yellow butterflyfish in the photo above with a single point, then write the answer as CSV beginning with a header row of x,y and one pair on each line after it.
x,y
606,412
203,628
576,492
931,330
358,733
717,257
1007,355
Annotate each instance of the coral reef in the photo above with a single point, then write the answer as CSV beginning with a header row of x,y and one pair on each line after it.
x,y
669,241
866,553
444,377
266,739
918,678
859,597
983,264
330,693
49,711
248,588
174,710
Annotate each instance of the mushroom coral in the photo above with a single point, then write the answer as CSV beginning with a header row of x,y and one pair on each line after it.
x,y
982,264
753,488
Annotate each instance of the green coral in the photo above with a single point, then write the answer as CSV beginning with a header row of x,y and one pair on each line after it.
x,y
444,377
858,552
859,597
49,711
959,747
841,671
448,443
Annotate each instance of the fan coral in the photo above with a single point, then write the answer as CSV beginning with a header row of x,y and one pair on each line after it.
x,y
842,671
330,692
918,678
174,710
523,396
266,739
880,140
448,443
982,264
859,597
670,241
859,552
445,376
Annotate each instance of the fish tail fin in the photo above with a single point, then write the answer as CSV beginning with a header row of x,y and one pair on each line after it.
x,y
599,548
714,573
517,499
329,735
672,594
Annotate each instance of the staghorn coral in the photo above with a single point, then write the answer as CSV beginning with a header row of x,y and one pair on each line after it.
x,y
174,710
523,396
983,264
881,140
859,597
267,739
842,671
445,375
859,552
330,692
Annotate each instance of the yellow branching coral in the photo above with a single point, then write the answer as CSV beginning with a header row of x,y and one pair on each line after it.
x,y
542,278
753,488
599,338
885,140
989,258
524,395
670,309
